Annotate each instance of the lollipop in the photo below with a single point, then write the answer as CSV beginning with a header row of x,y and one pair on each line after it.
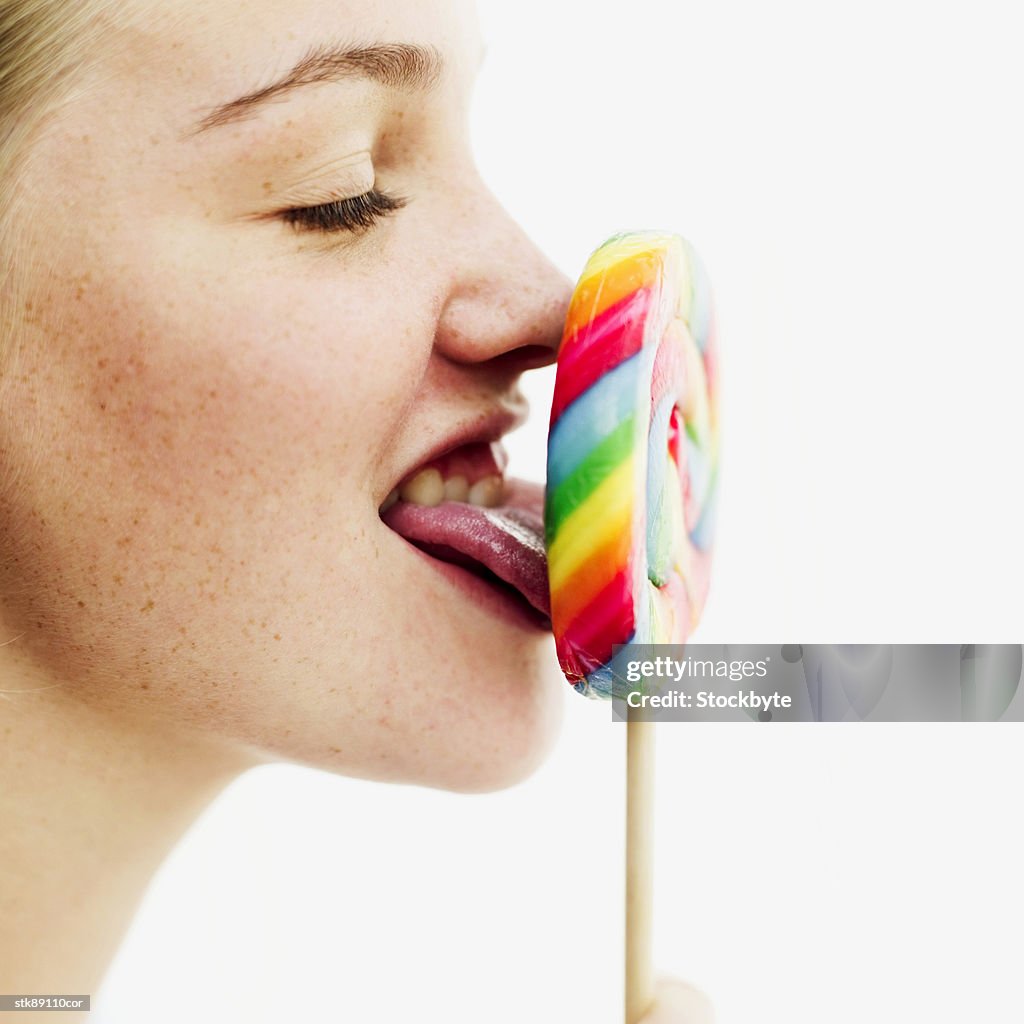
x,y
632,455
632,469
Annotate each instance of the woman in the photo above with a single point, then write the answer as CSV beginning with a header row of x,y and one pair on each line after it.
x,y
255,299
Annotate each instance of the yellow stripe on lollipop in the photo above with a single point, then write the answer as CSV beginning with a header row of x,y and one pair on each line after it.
x,y
606,514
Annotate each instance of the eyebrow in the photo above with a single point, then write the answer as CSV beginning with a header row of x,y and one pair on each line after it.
x,y
396,65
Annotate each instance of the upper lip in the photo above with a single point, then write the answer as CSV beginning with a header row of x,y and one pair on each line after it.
x,y
486,428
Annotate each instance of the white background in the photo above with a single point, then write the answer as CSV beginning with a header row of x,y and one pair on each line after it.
x,y
852,176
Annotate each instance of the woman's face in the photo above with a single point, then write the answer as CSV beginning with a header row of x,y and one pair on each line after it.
x,y
209,399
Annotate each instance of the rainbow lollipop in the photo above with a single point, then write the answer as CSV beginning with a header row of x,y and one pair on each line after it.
x,y
632,455
632,469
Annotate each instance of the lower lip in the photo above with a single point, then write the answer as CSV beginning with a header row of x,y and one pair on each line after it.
x,y
505,605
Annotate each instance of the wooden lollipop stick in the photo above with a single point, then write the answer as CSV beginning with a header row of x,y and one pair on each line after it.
x,y
639,867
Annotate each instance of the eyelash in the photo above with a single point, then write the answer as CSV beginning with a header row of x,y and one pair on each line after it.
x,y
356,214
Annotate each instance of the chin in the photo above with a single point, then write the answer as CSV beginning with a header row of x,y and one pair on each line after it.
x,y
452,725
486,732
499,739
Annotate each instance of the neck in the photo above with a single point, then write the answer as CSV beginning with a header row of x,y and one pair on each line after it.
x,y
91,803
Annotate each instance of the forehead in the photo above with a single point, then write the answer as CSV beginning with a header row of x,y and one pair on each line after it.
x,y
187,57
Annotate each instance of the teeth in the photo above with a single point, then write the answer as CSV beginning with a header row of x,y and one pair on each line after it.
x,y
456,488
429,487
486,492
425,488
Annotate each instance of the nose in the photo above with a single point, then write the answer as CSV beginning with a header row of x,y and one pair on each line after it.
x,y
506,301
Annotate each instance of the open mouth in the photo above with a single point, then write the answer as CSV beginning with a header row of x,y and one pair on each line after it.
x,y
460,509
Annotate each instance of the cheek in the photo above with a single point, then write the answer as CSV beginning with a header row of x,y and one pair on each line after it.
x,y
195,466
252,392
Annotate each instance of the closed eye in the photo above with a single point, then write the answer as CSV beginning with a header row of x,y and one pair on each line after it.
x,y
356,214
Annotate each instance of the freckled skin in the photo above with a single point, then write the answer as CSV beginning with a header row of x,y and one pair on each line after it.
x,y
203,408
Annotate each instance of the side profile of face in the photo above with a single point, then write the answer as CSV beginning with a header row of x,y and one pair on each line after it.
x,y
208,397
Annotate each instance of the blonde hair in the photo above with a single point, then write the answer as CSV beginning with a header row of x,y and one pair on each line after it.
x,y
44,44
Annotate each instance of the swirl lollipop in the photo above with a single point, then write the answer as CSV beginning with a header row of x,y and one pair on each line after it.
x,y
632,455
629,504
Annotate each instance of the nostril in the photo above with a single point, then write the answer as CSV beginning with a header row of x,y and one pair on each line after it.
x,y
526,357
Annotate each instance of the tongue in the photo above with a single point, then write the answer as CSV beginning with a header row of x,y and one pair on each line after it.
x,y
508,540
